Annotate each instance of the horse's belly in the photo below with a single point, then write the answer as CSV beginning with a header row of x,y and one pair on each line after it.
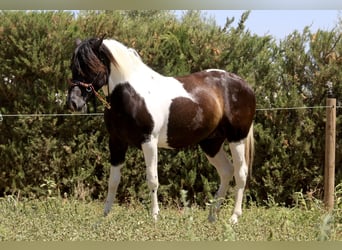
x,y
189,123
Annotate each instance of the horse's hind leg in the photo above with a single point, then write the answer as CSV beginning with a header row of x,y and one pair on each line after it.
x,y
240,174
225,170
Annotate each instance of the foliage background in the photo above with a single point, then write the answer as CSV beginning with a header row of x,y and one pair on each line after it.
x,y
68,156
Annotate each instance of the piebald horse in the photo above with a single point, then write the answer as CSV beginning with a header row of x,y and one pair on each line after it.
x,y
148,110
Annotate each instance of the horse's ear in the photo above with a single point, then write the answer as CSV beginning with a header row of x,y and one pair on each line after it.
x,y
99,42
78,41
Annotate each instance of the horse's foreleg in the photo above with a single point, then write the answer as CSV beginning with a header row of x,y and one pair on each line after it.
x,y
240,174
117,159
225,170
150,150
113,183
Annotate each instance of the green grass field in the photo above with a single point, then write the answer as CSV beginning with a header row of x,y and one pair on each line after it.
x,y
57,219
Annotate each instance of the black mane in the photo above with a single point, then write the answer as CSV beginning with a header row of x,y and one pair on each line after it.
x,y
91,62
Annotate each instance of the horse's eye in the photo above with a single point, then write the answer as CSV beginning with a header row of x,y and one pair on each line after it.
x,y
89,89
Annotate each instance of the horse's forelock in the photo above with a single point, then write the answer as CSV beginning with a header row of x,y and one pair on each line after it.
x,y
86,58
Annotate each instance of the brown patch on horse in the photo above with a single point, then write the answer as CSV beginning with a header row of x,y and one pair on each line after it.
x,y
223,108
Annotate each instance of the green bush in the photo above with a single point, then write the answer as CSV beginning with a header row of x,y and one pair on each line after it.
x,y
68,156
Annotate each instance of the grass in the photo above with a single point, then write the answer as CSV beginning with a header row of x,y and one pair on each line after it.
x,y
57,219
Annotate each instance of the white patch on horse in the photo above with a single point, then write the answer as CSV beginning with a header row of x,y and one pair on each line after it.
x,y
234,97
124,56
218,70
197,120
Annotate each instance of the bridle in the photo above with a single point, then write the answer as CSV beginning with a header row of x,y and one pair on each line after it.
x,y
89,87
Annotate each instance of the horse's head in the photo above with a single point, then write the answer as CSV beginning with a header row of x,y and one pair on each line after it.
x,y
90,67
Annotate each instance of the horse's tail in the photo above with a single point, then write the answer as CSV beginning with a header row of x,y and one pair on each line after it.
x,y
249,150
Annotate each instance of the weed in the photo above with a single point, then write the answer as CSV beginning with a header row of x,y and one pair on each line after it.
x,y
325,228
64,219
188,218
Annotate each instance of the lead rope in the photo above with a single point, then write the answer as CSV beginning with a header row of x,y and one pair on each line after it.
x,y
104,102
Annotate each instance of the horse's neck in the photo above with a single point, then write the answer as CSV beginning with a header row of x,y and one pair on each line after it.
x,y
141,75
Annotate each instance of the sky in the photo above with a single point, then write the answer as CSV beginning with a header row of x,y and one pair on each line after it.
x,y
280,23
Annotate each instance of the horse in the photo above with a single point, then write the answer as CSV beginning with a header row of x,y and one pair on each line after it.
x,y
148,110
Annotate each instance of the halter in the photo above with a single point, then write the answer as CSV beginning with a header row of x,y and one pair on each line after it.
x,y
89,87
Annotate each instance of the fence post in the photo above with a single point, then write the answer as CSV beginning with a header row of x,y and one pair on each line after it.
x,y
330,141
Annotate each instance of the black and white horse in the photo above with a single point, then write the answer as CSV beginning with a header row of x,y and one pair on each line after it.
x,y
148,110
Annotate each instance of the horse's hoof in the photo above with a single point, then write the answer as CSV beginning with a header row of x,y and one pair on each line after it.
x,y
234,219
155,217
106,212
211,218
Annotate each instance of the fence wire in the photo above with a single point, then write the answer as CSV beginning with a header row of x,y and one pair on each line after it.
x,y
2,116
294,108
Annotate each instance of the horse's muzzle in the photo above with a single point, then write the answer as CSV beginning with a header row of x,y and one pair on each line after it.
x,y
76,102
77,107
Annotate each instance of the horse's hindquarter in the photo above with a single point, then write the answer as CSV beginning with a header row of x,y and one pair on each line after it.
x,y
240,104
226,99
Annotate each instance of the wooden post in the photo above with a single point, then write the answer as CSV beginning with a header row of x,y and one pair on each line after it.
x,y
330,140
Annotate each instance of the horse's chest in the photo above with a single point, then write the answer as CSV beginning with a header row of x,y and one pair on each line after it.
x,y
129,118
